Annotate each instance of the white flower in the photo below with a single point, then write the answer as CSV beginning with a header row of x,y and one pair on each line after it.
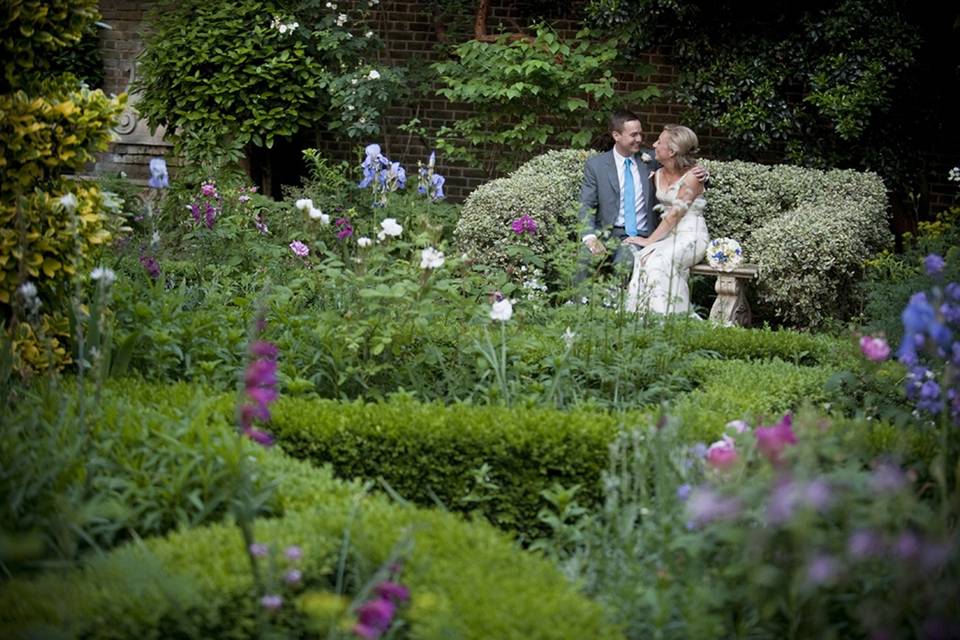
x,y
331,6
568,337
69,202
501,310
28,290
361,120
430,258
282,28
381,236
341,19
350,107
645,157
314,213
390,227
155,239
739,426
954,175
368,34
353,81
374,74
304,204
363,242
103,274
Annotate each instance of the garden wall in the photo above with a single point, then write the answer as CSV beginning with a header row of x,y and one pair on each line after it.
x,y
409,31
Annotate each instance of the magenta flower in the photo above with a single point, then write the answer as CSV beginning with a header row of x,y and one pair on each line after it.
x,y
524,224
392,591
150,265
722,454
262,438
773,440
262,349
344,228
376,614
875,349
299,249
209,189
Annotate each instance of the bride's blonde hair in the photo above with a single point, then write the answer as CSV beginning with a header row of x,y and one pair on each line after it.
x,y
683,142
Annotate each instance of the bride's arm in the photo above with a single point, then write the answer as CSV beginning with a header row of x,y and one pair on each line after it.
x,y
686,194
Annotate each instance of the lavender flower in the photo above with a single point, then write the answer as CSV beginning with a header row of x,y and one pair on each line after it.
x,y
934,264
293,553
258,550
150,265
271,602
293,576
344,228
299,249
159,178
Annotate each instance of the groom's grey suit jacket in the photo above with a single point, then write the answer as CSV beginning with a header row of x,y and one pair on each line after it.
x,y
600,193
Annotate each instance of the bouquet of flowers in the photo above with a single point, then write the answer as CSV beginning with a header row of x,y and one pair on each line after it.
x,y
724,254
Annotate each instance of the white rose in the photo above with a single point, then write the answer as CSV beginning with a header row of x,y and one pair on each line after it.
x,y
501,310
374,74
645,157
304,204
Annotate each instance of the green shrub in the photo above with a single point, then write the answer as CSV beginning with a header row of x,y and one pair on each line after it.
x,y
50,127
810,231
547,188
466,580
223,75
428,452
733,389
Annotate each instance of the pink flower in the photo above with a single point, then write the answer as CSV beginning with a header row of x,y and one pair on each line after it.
x,y
261,373
773,440
722,454
875,349
263,349
376,614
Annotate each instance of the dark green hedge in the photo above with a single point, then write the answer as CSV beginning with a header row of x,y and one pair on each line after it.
x,y
430,453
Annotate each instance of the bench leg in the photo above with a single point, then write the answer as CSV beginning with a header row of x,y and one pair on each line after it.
x,y
731,306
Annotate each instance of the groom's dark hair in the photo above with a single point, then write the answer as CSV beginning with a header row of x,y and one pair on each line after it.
x,y
620,118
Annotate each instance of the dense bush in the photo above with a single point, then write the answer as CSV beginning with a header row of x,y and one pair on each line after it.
x,y
50,226
810,231
547,188
221,76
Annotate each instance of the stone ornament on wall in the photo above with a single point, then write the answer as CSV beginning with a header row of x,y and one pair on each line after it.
x,y
132,129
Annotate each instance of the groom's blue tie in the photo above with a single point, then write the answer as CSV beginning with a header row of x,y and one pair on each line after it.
x,y
629,199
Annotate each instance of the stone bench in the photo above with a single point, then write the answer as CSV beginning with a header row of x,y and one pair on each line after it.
x,y
731,306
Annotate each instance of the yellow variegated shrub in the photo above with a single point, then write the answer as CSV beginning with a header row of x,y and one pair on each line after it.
x,y
50,128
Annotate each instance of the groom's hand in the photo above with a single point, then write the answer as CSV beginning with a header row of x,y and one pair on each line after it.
x,y
701,174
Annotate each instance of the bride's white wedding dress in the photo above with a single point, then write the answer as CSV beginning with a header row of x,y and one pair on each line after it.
x,y
661,271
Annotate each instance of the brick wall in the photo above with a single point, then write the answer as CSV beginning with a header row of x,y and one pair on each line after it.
x,y
408,30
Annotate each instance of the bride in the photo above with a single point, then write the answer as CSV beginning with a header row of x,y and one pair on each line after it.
x,y
662,261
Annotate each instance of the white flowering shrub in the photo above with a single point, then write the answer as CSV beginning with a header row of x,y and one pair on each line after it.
x,y
810,231
547,189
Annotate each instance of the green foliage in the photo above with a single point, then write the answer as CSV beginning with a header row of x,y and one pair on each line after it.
x,y
892,278
50,226
811,78
527,92
226,74
196,583
818,545
546,188
85,468
33,34
810,231
425,452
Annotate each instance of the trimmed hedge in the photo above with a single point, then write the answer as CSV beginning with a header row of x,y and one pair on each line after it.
x,y
467,579
429,452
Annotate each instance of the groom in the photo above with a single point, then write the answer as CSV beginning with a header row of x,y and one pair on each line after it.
x,y
617,193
